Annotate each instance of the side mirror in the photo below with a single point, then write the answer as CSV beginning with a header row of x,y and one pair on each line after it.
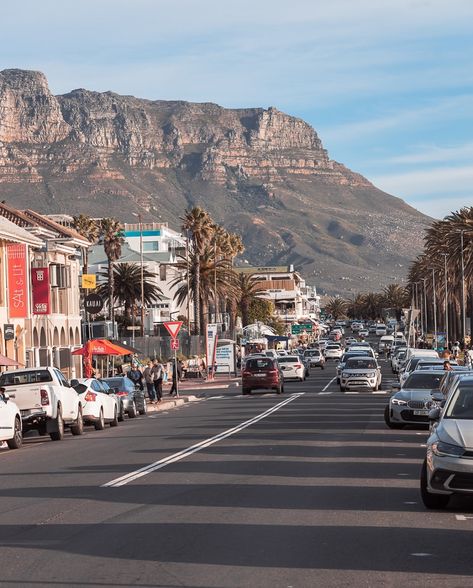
x,y
434,414
376,355
396,386
437,396
6,396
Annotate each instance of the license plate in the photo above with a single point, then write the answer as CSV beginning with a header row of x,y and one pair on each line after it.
x,y
421,412
259,375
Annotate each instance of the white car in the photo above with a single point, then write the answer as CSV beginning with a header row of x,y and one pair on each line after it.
x,y
360,372
99,404
363,332
381,330
292,368
333,351
10,422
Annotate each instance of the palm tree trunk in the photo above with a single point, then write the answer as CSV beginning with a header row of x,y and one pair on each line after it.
x,y
197,300
245,311
111,315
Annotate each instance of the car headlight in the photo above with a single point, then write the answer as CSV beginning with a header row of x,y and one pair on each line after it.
x,y
446,449
398,402
372,375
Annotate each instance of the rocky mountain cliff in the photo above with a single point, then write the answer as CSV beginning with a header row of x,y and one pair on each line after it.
x,y
258,171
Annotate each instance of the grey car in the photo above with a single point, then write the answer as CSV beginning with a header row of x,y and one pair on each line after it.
x,y
412,403
448,466
315,358
133,398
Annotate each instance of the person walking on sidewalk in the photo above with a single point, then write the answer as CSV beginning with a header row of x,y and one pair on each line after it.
x,y
136,376
158,372
176,375
148,376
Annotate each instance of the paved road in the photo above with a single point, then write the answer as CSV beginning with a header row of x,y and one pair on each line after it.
x,y
306,489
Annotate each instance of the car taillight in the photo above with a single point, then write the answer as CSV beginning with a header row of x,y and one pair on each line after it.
x,y
297,365
246,373
90,397
122,393
44,397
272,371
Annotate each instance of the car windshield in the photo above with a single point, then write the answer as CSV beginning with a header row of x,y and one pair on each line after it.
x,y
424,381
361,363
333,347
461,404
312,352
29,377
260,363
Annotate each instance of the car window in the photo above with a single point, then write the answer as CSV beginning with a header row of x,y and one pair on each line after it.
x,y
260,363
289,359
361,363
79,388
121,383
29,377
95,386
423,381
461,403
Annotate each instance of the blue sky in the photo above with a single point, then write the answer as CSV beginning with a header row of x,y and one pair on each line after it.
x,y
387,84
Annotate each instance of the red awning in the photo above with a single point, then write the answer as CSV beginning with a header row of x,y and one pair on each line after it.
x,y
101,347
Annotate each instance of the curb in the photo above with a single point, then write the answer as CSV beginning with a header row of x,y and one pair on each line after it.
x,y
166,404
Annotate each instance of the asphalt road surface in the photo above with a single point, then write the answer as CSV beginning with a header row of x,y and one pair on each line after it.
x,y
305,489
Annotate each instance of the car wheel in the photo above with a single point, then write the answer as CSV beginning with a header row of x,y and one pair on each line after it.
x,y
431,501
114,423
322,367
342,388
78,427
388,421
279,389
42,430
376,387
121,415
16,441
301,379
58,435
132,411
100,424
144,410
246,391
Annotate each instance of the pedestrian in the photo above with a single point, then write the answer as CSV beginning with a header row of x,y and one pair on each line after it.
x,y
176,375
135,375
447,366
149,381
455,349
158,373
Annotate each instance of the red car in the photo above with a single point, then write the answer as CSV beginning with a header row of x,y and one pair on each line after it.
x,y
262,372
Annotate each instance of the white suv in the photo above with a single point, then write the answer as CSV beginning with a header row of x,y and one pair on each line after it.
x,y
360,372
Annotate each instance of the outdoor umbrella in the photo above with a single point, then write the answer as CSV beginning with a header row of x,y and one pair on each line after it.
x,y
98,347
6,361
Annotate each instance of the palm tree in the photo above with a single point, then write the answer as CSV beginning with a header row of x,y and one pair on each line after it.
x,y
204,271
397,297
113,239
337,307
127,286
198,222
249,290
88,228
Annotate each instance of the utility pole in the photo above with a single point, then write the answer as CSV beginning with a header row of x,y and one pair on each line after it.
x,y
445,255
435,308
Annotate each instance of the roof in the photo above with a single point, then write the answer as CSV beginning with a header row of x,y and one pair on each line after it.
x,y
11,232
97,256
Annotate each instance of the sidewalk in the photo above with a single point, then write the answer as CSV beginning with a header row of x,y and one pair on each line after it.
x,y
168,402
202,385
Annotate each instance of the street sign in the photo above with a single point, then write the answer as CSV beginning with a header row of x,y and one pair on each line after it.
x,y
175,344
298,329
173,328
138,328
89,281
93,303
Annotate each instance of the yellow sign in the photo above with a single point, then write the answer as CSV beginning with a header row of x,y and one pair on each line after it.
x,y
89,281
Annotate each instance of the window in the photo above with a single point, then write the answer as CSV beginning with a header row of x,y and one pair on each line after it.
x,y
30,377
149,246
60,275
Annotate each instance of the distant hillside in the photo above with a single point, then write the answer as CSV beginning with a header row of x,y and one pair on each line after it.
x,y
258,171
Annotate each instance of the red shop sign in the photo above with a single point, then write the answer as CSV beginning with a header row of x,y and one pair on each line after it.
x,y
40,283
17,280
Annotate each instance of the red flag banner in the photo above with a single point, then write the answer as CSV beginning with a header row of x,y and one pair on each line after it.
x,y
40,283
17,280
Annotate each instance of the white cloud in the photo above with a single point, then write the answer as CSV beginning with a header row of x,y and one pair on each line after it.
x,y
434,154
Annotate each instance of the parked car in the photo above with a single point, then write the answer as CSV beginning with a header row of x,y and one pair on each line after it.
x,y
262,372
411,404
100,404
292,368
133,399
448,466
10,422
46,401
315,358
360,372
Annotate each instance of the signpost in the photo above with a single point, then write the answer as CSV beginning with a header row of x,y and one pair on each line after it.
x,y
173,328
93,303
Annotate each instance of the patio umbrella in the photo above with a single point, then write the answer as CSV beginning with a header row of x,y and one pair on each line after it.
x,y
98,347
6,361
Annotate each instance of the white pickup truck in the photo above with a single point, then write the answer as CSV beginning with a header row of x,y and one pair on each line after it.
x,y
46,401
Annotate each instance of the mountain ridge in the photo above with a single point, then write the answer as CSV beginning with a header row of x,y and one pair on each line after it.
x,y
258,171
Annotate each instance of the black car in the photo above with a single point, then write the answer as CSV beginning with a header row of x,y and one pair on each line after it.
x,y
132,397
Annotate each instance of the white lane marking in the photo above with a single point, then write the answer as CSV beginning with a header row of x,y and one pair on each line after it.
x,y
157,465
352,392
331,382
380,392
216,397
422,554
462,518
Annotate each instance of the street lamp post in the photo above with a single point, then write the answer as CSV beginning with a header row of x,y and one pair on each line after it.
x,y
435,308
426,324
445,255
142,275
463,288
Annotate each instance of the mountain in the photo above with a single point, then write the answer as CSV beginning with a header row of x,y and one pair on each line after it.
x,y
258,171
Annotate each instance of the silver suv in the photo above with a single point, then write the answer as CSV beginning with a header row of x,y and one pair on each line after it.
x,y
360,372
448,467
